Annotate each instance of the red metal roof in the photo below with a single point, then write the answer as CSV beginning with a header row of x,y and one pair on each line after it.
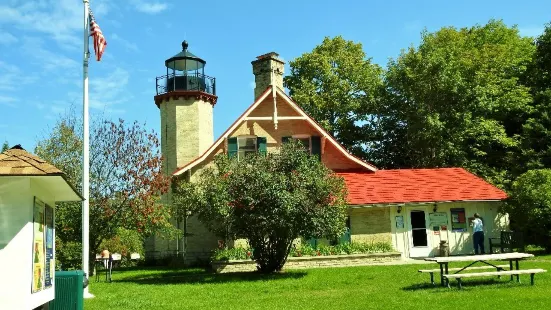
x,y
417,185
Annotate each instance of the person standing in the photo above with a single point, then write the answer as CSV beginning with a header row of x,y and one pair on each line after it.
x,y
478,234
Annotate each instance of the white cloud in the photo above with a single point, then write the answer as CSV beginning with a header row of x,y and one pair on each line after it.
x,y
46,59
61,20
127,44
13,78
7,101
108,91
149,7
7,38
531,31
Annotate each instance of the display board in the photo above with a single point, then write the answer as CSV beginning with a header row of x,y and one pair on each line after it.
x,y
459,220
399,221
49,268
43,246
438,221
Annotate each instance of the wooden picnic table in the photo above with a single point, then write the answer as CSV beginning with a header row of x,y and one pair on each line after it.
x,y
484,258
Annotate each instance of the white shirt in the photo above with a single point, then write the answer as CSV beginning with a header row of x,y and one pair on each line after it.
x,y
477,225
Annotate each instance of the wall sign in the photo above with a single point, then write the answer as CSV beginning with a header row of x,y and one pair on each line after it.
x,y
399,221
459,221
49,268
43,246
38,246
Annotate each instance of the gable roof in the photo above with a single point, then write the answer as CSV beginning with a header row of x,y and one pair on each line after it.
x,y
292,104
418,185
16,162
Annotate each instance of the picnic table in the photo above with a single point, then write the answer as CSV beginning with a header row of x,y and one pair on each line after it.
x,y
484,259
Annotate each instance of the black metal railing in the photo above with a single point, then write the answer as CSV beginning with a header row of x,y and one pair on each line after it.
x,y
183,82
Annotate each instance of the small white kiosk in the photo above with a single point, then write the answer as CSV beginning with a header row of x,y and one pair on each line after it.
x,y
29,189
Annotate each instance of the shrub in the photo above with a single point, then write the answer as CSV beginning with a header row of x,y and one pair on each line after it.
x,y
305,249
125,242
68,255
269,200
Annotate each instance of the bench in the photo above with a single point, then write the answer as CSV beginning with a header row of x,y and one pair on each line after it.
x,y
458,276
507,242
432,271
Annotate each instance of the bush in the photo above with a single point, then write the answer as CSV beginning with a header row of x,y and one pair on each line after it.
x,y
306,249
232,254
269,200
68,255
529,206
125,242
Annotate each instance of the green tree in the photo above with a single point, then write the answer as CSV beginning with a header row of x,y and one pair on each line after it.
x,y
339,87
5,146
456,100
270,200
529,206
536,131
126,180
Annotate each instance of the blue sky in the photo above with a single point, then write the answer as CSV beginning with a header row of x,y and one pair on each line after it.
x,y
41,45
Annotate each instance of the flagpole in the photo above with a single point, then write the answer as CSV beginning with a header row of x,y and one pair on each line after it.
x,y
85,154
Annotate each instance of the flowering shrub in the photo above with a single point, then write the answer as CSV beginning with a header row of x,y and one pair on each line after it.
x,y
307,250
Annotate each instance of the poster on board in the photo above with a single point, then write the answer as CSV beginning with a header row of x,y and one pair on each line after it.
x,y
38,247
49,244
399,221
459,222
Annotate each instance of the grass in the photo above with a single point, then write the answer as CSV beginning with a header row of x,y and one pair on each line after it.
x,y
372,287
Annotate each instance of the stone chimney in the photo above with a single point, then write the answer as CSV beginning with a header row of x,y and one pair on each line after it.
x,y
267,68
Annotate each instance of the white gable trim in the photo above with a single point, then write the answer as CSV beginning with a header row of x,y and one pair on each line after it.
x,y
232,128
245,116
324,133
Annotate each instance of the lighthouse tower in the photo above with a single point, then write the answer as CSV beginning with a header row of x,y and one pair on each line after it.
x,y
185,97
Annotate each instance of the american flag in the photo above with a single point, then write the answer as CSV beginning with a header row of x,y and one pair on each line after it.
x,y
99,39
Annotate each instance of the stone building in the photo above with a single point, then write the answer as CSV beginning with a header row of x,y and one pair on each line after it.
x,y
413,209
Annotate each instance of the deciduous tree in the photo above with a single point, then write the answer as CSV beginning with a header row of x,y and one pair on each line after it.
x,y
457,100
536,130
5,146
529,206
339,87
270,200
126,180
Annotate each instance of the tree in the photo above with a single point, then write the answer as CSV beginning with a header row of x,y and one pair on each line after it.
x,y
457,100
126,180
529,206
270,200
339,87
5,147
536,131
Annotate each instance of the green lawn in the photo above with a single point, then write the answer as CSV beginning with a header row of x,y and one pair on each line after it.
x,y
373,287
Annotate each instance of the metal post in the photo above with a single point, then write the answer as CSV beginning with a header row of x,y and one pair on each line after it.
x,y
85,155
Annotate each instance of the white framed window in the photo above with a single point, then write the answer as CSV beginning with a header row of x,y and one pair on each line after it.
x,y
306,142
246,145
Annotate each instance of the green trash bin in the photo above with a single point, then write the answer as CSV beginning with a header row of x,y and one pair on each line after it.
x,y
69,288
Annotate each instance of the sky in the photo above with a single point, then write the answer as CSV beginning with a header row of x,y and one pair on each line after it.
x,y
41,48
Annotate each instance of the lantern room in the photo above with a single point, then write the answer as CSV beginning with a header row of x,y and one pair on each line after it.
x,y
185,72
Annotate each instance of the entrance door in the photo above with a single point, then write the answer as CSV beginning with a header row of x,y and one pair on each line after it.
x,y
418,238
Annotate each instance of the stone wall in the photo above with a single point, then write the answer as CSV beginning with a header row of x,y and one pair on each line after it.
x,y
307,262
370,225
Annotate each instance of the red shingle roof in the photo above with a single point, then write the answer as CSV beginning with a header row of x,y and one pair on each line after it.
x,y
418,185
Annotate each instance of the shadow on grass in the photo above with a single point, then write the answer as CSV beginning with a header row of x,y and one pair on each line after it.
x,y
453,284
207,277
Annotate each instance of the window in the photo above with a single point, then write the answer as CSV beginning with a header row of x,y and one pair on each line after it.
x,y
304,140
312,144
245,146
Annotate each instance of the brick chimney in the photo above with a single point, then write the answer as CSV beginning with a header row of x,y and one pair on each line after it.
x,y
267,68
